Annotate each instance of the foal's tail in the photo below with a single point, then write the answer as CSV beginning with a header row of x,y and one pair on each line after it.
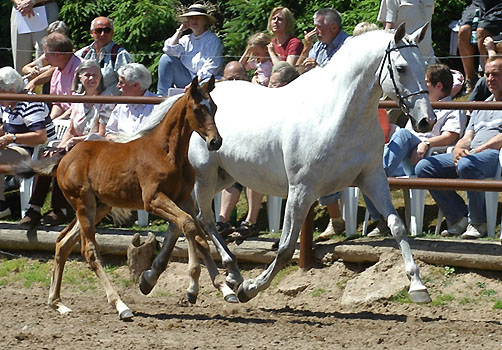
x,y
45,166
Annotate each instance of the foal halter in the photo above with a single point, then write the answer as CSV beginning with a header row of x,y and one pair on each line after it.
x,y
401,99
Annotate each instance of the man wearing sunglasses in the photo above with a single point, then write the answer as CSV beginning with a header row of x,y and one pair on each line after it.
x,y
107,53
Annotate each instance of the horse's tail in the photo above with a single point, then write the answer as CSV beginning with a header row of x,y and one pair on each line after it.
x,y
45,166
120,216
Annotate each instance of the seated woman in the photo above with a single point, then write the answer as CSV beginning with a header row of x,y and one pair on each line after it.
x,y
197,54
284,46
85,119
24,125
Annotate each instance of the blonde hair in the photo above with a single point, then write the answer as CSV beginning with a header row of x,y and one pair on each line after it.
x,y
258,39
364,27
288,16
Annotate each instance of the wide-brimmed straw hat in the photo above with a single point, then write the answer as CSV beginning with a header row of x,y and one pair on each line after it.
x,y
198,10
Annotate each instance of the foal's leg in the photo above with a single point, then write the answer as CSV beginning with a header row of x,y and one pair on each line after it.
x,y
149,277
298,204
376,188
87,213
163,206
65,242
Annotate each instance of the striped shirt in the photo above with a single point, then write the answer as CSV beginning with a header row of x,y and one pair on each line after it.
x,y
26,117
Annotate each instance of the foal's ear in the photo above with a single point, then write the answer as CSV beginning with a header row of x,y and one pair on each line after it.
x,y
399,33
209,85
194,89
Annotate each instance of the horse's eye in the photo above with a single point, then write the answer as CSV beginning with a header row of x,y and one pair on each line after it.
x,y
401,69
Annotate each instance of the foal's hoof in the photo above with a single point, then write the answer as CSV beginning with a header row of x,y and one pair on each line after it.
x,y
420,296
192,298
231,298
144,286
241,294
126,315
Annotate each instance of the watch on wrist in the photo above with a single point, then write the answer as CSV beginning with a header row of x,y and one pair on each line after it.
x,y
427,143
14,137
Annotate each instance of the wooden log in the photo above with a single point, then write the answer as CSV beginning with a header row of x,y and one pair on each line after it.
x,y
482,255
258,251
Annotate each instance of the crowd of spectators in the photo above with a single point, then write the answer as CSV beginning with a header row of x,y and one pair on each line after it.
x,y
271,60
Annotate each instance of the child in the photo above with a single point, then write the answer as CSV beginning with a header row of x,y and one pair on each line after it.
x,y
256,57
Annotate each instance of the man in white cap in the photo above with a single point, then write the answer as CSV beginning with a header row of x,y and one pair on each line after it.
x,y
197,54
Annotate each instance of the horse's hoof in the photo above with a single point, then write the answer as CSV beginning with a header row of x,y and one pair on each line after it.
x,y
59,307
144,286
420,296
241,294
126,315
231,298
192,298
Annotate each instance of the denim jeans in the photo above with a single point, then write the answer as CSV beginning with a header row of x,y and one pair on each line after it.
x,y
475,166
172,72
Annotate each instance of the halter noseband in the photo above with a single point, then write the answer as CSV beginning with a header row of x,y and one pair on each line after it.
x,y
402,105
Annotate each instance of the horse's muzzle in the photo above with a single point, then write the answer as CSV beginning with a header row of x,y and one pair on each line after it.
x,y
214,143
426,124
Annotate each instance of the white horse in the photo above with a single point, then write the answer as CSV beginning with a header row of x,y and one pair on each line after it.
x,y
313,137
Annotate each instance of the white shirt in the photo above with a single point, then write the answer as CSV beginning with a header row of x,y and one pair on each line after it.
x,y
202,55
127,118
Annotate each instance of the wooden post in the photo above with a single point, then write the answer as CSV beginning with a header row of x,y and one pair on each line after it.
x,y
306,238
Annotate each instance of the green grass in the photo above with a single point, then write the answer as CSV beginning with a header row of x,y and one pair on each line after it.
x,y
497,305
442,299
283,273
401,297
318,292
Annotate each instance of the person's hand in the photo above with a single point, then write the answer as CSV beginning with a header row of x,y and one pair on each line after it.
x,y
33,72
489,44
5,140
419,152
30,86
183,26
459,153
308,64
309,38
25,7
270,48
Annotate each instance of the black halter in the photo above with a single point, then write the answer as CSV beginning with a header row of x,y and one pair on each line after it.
x,y
401,99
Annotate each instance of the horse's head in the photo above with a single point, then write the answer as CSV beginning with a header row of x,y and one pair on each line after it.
x,y
201,113
402,77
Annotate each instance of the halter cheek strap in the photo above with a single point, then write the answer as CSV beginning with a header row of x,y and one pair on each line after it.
x,y
402,105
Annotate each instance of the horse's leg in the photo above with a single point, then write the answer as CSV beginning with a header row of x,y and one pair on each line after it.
x,y
87,212
376,188
204,194
65,241
298,204
149,277
165,207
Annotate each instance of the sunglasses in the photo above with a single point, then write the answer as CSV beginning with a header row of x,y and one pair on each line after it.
x,y
101,30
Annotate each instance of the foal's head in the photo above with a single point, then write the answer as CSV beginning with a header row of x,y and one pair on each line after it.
x,y
201,110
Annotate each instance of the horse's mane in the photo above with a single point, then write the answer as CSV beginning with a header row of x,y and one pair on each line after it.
x,y
158,113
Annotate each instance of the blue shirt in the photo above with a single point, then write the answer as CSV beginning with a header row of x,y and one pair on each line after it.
x,y
322,52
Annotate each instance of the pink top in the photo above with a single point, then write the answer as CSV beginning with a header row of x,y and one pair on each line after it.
x,y
292,46
61,80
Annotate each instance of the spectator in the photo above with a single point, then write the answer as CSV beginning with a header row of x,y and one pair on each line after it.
x,y
257,57
39,71
234,70
134,80
58,50
282,74
284,46
23,44
363,27
197,54
406,147
414,13
476,156
106,52
84,120
480,91
24,125
490,24
330,35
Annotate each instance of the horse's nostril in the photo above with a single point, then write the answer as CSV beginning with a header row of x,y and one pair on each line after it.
x,y
215,143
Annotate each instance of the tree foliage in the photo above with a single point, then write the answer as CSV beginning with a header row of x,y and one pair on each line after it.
x,y
141,26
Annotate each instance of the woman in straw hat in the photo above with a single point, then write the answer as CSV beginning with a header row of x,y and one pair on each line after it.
x,y
197,54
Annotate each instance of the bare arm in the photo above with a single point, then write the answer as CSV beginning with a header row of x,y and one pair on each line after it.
x,y
41,79
31,138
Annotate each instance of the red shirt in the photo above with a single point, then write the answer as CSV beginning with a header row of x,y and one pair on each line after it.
x,y
292,46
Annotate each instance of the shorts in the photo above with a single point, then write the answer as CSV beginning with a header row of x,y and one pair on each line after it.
x,y
330,198
491,20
